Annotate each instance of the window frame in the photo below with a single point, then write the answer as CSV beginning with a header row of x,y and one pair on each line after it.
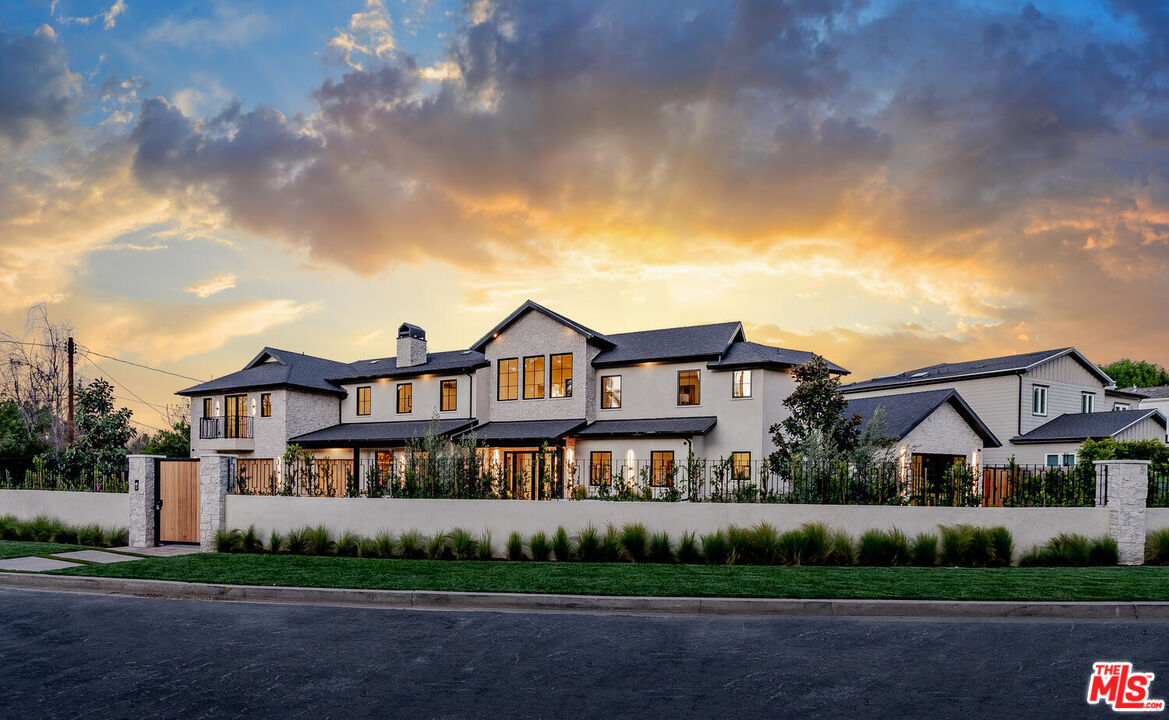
x,y
607,477
1036,392
1065,457
543,377
1047,459
1116,406
368,400
1087,401
566,383
697,388
603,395
736,386
735,465
442,395
515,372
666,480
265,405
409,387
208,407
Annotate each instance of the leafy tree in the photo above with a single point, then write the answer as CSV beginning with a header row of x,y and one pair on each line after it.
x,y
175,442
17,443
817,428
1110,449
102,433
1127,373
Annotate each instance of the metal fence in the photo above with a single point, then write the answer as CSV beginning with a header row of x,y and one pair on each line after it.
x,y
20,476
1158,488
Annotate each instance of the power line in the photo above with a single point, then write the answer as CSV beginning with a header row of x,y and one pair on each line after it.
x,y
30,343
87,351
119,384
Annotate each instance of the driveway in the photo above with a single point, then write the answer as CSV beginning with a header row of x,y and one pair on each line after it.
x,y
71,655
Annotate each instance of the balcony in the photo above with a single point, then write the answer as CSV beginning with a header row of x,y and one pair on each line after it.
x,y
229,433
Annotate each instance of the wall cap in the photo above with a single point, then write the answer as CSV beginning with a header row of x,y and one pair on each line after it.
x,y
1121,462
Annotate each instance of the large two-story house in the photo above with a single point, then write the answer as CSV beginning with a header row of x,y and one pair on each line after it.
x,y
1041,405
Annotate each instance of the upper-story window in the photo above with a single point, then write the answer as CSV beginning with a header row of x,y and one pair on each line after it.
x,y
208,408
405,397
1120,406
688,387
1087,402
508,387
561,376
741,384
449,395
534,377
1038,400
363,400
265,404
611,392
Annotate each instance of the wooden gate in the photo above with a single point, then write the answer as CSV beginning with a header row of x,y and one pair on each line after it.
x,y
178,501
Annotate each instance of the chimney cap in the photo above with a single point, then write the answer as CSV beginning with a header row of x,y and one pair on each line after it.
x,y
408,330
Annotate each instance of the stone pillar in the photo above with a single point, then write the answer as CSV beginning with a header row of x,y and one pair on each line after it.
x,y
216,472
142,498
1128,490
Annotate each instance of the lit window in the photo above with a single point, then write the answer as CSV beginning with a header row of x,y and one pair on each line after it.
x,y
534,377
265,404
509,379
385,462
405,397
363,403
1038,400
741,465
600,468
688,388
661,468
1087,402
611,392
207,408
741,384
561,376
449,396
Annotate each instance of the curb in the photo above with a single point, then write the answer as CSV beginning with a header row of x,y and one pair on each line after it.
x,y
595,604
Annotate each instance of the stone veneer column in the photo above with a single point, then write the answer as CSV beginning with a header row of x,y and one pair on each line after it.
x,y
1128,491
215,474
142,497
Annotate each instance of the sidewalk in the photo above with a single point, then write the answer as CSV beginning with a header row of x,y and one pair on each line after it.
x,y
58,561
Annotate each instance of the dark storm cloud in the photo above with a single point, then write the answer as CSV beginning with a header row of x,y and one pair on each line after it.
x,y
37,91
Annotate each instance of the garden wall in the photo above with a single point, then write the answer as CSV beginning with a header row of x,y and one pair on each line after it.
x,y
76,508
1157,518
365,516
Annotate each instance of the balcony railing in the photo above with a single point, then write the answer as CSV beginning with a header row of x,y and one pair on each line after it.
x,y
228,427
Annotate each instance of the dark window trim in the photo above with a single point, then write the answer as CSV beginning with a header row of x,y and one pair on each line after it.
x,y
741,452
735,386
678,388
442,396
608,476
499,379
410,399
524,380
603,405
568,384
369,401
209,407
265,404
666,481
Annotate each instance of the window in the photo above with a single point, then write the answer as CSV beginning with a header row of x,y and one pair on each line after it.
x,y
688,389
509,380
449,395
363,400
1120,406
1052,459
208,410
1056,459
384,460
741,465
1087,402
611,392
561,376
661,468
265,404
1038,400
405,397
534,377
741,384
1069,459
600,468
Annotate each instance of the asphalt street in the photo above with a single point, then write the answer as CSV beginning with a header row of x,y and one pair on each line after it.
x,y
68,655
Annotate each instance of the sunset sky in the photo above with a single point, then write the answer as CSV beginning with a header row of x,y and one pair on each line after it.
x,y
887,183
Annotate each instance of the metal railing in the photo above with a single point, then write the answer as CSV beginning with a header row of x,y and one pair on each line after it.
x,y
1158,488
225,427
25,477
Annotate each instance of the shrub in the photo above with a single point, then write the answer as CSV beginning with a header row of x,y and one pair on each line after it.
x,y
634,542
318,542
438,547
818,544
89,535
275,542
924,550
883,547
688,549
41,529
367,548
1157,547
660,548
1072,550
250,541
515,546
588,544
227,541
486,546
1103,551
412,545
383,545
298,541
739,545
9,528
540,547
715,548
611,545
792,549
971,546
117,537
463,544
347,544
561,546
1003,544
763,545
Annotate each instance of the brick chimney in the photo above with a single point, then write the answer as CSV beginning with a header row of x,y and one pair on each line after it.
x,y
411,345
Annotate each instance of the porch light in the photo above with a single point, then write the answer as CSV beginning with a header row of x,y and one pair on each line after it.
x,y
253,407
216,407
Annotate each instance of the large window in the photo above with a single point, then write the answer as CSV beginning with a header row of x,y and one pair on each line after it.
x,y
405,397
611,392
561,376
1087,402
600,468
661,471
363,403
208,408
449,395
1056,459
509,379
741,465
265,404
741,384
1038,400
688,387
534,377
385,462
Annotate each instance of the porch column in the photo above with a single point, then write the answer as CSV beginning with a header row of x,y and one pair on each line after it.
x,y
1126,483
215,475
356,471
142,480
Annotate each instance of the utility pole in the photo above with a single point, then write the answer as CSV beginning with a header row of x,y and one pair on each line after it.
x,y
69,347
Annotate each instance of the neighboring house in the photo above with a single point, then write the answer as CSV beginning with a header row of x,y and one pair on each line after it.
x,y
1016,396
1129,399
536,380
1150,398
934,429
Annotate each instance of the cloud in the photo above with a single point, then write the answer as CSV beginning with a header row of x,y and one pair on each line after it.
x,y
370,34
38,93
365,338
211,330
227,26
210,287
108,18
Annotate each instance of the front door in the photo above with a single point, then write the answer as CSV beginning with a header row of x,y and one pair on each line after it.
x,y
235,416
519,475
178,501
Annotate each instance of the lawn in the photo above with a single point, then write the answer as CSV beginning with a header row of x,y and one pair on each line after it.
x,y
13,549
1099,583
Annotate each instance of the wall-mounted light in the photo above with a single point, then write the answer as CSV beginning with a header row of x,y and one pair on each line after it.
x,y
253,407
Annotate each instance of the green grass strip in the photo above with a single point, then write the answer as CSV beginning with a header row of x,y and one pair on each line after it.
x,y
15,549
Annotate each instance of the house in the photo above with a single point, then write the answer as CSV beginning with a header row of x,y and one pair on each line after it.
x,y
1149,398
537,383
1042,405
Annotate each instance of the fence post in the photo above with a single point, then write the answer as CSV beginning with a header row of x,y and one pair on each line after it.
x,y
215,474
141,488
1128,491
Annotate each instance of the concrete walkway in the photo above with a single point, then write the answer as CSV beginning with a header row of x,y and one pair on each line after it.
x,y
58,561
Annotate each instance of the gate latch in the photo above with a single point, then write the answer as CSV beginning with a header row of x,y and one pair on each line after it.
x,y
158,504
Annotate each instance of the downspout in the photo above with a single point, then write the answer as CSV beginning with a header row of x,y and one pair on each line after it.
x,y
1019,409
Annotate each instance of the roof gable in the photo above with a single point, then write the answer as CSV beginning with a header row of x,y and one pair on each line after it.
x,y
1004,365
905,411
273,367
691,342
1071,427
590,335
743,354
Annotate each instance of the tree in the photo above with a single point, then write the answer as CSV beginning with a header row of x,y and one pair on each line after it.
x,y
173,442
1127,373
102,433
34,376
817,428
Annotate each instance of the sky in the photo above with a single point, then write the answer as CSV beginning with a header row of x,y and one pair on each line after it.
x,y
888,183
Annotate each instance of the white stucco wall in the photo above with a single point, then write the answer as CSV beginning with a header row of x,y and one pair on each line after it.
x,y
426,392
77,508
944,432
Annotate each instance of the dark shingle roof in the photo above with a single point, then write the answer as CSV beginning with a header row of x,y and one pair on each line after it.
x,y
905,411
528,432
286,369
751,354
973,368
657,427
372,434
1158,391
1082,426
591,335
693,342
450,361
